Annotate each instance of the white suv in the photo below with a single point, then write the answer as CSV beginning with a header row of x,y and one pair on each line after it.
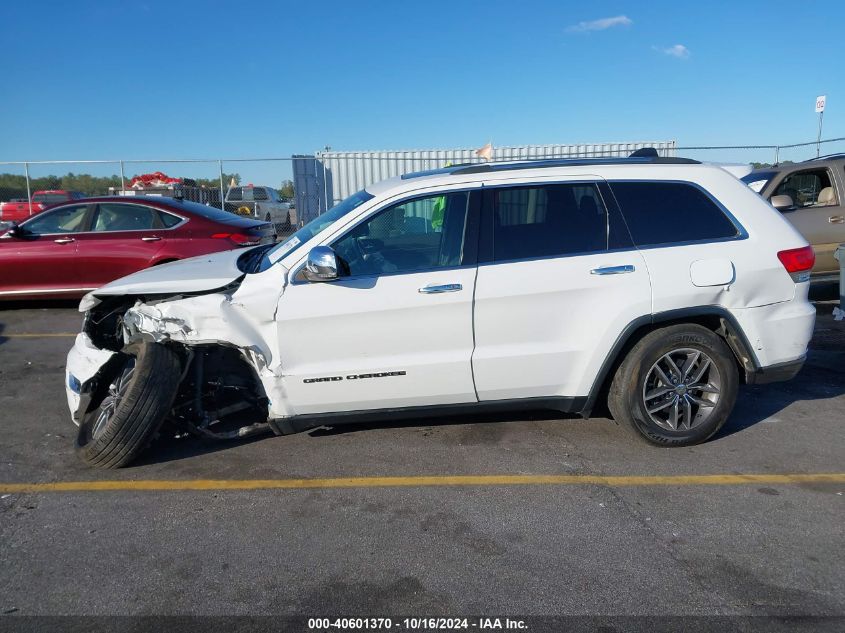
x,y
656,285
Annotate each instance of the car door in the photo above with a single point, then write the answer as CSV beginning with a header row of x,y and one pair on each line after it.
x,y
558,281
817,211
42,257
122,238
396,329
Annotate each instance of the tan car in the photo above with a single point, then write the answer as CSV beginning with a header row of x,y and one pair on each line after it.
x,y
811,196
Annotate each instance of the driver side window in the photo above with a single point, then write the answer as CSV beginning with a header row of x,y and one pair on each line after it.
x,y
64,220
810,188
417,234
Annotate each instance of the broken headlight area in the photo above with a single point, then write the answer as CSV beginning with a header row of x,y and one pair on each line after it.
x,y
103,324
147,321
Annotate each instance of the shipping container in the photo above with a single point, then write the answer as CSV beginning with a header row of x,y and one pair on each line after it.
x,y
323,179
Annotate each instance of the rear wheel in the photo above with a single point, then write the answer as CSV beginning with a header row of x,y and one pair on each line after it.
x,y
130,409
676,387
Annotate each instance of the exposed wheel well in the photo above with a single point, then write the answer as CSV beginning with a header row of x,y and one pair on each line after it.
x,y
716,322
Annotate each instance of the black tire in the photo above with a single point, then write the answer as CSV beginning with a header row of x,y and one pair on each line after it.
x,y
267,217
634,381
111,437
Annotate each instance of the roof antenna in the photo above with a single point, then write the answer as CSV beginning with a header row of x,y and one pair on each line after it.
x,y
644,152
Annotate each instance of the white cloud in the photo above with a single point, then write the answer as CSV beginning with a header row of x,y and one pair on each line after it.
x,y
601,24
678,50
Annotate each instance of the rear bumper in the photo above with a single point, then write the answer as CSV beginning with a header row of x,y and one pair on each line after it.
x,y
776,373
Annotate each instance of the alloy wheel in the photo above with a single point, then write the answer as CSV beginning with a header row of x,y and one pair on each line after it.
x,y
116,392
682,389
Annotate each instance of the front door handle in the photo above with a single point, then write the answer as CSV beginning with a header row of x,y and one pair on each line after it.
x,y
433,290
64,240
836,219
151,238
613,270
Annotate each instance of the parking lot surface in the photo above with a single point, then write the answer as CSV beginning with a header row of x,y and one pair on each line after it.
x,y
526,514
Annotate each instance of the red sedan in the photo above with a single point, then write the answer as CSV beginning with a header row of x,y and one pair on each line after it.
x,y
76,247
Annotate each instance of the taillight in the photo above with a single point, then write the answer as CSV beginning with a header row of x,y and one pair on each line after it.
x,y
798,262
238,238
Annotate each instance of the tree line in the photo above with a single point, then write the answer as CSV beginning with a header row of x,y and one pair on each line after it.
x,y
14,185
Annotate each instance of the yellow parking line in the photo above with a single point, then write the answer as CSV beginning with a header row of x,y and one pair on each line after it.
x,y
448,480
35,335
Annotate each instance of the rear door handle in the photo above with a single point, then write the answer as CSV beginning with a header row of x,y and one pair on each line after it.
x,y
151,238
64,240
613,270
836,219
433,290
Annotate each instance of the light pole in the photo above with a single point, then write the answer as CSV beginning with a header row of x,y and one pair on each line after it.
x,y
821,101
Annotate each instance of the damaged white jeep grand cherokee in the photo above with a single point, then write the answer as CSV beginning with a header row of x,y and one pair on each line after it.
x,y
656,285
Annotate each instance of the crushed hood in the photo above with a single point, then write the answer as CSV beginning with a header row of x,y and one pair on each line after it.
x,y
196,274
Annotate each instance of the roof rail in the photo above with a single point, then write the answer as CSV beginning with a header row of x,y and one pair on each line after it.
x,y
572,162
826,157
643,156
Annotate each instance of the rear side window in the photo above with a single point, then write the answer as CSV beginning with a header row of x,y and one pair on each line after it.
x,y
670,212
115,216
168,220
547,221
234,194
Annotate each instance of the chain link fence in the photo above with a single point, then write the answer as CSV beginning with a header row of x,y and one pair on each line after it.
x,y
308,182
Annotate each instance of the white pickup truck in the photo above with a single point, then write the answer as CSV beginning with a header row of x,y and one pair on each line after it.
x,y
263,203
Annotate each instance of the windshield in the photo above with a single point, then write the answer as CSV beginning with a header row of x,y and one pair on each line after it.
x,y
757,180
316,225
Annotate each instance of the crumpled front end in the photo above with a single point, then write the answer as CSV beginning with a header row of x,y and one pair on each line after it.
x,y
84,362
225,338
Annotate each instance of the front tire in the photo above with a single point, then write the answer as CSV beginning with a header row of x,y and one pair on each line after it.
x,y
131,408
676,387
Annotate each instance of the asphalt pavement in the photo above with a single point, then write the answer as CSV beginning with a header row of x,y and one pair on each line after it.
x,y
573,518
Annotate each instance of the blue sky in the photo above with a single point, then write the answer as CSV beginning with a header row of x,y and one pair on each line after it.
x,y
184,78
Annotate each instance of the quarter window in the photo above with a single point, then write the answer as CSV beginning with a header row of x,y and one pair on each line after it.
x,y
667,213
63,220
417,234
547,221
168,220
123,217
812,188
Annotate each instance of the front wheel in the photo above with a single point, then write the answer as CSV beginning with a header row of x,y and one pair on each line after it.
x,y
676,387
129,410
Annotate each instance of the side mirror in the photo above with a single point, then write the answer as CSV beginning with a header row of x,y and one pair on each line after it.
x,y
782,202
321,265
13,230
